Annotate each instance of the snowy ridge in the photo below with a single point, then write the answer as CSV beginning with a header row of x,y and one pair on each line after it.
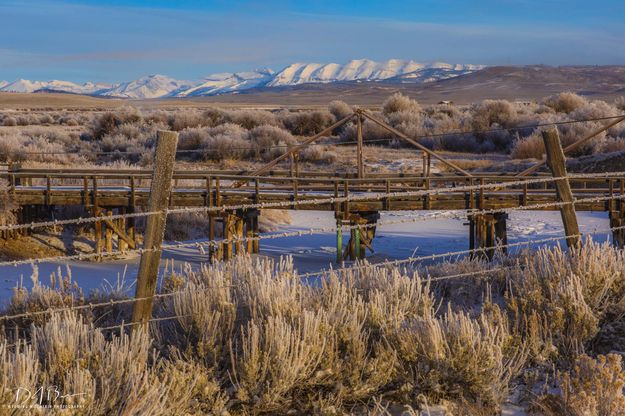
x,y
158,86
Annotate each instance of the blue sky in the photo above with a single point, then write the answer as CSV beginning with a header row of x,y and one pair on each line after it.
x,y
124,39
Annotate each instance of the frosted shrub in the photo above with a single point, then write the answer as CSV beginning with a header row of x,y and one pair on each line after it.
x,y
269,142
592,387
568,296
399,102
181,120
493,112
458,357
530,147
226,141
339,109
106,123
619,103
318,154
565,102
308,123
9,121
248,119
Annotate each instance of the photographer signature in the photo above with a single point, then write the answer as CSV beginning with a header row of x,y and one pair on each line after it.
x,y
42,395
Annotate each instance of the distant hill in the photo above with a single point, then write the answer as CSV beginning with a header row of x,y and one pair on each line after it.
x,y
522,83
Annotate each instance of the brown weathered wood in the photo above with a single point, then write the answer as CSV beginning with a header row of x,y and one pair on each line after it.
x,y
557,163
361,165
120,232
109,233
160,191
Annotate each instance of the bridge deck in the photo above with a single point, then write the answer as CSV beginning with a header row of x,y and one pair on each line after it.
x,y
107,188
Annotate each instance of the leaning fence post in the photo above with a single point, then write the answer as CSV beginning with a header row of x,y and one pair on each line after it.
x,y
160,190
557,163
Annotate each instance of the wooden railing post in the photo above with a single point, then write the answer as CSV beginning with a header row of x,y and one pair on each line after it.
x,y
361,165
160,190
557,163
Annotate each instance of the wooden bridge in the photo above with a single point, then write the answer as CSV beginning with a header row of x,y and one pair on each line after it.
x,y
233,199
104,192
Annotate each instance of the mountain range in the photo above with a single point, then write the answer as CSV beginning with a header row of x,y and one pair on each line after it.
x,y
161,86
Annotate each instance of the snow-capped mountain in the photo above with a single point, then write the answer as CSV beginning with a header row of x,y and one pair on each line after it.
x,y
363,70
158,86
225,83
151,86
24,85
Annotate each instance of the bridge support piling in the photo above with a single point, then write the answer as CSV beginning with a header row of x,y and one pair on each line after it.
x,y
109,235
97,234
362,232
339,240
617,219
121,224
487,231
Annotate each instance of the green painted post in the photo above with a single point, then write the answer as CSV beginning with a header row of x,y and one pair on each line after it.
x,y
339,241
357,243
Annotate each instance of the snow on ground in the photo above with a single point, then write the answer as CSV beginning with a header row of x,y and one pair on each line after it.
x,y
317,252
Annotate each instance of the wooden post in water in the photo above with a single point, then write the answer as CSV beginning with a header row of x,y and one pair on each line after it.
x,y
339,240
557,163
160,191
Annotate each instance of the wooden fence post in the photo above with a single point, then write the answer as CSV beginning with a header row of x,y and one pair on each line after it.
x,y
361,165
160,190
557,163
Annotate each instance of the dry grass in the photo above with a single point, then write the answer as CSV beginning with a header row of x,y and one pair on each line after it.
x,y
260,341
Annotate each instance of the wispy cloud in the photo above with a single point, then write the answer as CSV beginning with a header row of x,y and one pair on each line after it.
x,y
47,39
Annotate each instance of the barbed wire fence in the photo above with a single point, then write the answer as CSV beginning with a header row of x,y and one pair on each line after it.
x,y
312,202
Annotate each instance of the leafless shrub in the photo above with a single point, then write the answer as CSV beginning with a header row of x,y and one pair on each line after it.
x,y
339,109
619,103
318,154
226,141
400,103
269,142
308,123
531,147
565,102
9,121
181,120
248,119
491,113
107,123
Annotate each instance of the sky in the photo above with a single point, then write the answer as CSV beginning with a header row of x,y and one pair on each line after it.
x,y
125,39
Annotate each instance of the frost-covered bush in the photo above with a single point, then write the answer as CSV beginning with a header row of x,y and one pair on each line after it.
x,y
339,109
308,123
318,154
9,121
530,147
398,103
269,142
248,119
565,102
106,123
226,141
184,119
490,113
